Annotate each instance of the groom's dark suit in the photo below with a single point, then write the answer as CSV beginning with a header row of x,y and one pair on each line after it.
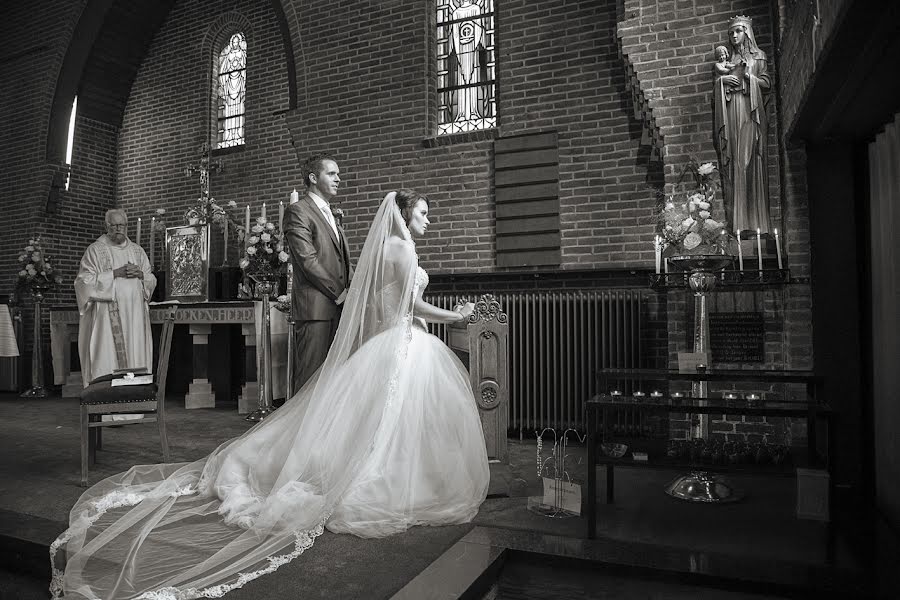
x,y
321,263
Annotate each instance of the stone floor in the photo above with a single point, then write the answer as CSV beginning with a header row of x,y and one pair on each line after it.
x,y
758,539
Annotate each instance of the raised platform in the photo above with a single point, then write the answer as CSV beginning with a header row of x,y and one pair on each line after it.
x,y
646,538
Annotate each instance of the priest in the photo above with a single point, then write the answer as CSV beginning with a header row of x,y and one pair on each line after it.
x,y
113,286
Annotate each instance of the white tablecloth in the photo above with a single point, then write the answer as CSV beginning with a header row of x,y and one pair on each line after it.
x,y
8,345
278,328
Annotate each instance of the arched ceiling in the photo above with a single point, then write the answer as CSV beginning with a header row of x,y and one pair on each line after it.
x,y
107,48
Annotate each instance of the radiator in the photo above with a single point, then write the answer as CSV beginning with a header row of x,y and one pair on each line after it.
x,y
557,342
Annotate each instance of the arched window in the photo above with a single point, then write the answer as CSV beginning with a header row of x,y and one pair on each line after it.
x,y
232,88
466,65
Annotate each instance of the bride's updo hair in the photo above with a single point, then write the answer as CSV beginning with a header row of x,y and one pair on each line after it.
x,y
406,199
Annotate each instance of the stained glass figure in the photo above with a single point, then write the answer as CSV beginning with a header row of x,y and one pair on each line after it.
x,y
466,65
232,88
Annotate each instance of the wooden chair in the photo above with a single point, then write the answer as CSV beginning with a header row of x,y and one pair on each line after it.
x,y
101,398
482,344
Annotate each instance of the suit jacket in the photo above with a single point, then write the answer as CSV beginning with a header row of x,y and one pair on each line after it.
x,y
321,261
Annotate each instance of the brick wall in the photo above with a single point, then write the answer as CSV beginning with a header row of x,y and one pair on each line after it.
x,y
557,70
167,117
804,28
37,34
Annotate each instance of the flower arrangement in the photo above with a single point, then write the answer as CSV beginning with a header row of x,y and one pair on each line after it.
x,y
685,220
37,273
207,210
265,252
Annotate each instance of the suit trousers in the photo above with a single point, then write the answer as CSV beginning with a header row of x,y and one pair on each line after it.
x,y
312,339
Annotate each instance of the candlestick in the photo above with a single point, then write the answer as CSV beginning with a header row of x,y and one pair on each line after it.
x,y
737,234
295,197
152,243
280,214
778,249
264,211
138,235
247,225
759,247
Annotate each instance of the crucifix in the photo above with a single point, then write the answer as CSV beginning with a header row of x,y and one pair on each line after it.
x,y
205,167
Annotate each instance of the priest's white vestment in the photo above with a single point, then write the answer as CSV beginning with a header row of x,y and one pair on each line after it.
x,y
114,310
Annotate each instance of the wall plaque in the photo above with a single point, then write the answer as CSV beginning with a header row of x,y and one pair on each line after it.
x,y
737,337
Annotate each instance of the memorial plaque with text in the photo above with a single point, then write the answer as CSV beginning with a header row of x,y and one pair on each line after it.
x,y
737,337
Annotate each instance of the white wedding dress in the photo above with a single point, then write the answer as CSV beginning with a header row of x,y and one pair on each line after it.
x,y
385,436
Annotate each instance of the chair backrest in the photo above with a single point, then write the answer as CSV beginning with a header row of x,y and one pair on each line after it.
x,y
162,367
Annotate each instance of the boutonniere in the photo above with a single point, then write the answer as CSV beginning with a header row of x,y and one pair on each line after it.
x,y
338,215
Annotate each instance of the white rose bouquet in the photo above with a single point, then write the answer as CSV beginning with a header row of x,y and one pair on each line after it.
x,y
685,220
265,253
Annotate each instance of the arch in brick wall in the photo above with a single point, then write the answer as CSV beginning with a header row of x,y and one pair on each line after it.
x,y
101,24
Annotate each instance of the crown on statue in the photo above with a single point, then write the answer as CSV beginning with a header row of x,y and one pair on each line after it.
x,y
740,20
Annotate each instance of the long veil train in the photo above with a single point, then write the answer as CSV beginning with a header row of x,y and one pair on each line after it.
x,y
200,529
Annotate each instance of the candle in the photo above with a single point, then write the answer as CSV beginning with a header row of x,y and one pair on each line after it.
x,y
247,225
280,214
295,197
264,211
737,233
665,265
759,248
777,249
153,242
656,394
225,237
657,252
138,235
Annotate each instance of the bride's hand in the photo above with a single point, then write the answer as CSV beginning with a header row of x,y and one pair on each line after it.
x,y
466,310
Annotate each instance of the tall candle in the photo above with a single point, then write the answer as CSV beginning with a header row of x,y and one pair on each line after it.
x,y
264,211
280,213
656,252
153,242
295,197
138,235
759,247
777,249
225,237
247,224
737,234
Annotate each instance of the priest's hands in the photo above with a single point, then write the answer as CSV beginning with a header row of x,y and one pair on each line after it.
x,y
129,271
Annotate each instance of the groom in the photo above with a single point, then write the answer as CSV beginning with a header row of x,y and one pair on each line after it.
x,y
321,263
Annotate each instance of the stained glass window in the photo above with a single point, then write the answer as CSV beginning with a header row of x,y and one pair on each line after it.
x,y
232,87
466,65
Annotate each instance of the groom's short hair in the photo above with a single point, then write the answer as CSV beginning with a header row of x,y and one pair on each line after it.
x,y
313,165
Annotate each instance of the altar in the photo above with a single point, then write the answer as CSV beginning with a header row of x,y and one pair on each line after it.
x,y
200,318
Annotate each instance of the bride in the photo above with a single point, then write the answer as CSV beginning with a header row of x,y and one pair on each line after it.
x,y
385,436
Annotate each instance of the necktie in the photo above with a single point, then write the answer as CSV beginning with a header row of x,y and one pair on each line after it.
x,y
330,218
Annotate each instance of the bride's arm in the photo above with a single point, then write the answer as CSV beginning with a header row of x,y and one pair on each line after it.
x,y
432,313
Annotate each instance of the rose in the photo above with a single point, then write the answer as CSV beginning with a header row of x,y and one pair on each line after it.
x,y
703,205
231,204
692,240
251,250
270,226
23,273
160,211
265,237
283,298
283,256
704,214
256,229
253,239
706,168
244,263
260,221
269,250
712,224
687,222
